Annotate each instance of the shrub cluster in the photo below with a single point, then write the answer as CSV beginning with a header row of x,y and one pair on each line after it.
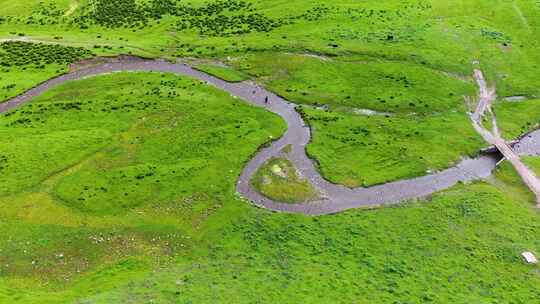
x,y
3,162
223,26
19,53
225,18
45,14
114,13
315,14
217,18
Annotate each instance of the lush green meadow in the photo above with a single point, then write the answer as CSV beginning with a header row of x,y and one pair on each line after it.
x,y
410,58
364,150
373,122
121,188
24,65
118,167
518,117
447,35
107,196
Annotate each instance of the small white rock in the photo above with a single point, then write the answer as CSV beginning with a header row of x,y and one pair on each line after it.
x,y
529,257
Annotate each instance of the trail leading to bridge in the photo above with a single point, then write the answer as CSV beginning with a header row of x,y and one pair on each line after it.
x,y
336,198
487,97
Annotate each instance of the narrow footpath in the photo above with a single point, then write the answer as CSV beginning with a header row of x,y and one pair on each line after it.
x,y
486,98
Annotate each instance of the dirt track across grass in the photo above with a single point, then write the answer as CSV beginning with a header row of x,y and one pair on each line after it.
x,y
486,98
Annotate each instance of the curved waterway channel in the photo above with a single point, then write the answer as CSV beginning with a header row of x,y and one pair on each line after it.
x,y
335,198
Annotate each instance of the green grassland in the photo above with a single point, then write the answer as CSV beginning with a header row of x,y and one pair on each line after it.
x,y
460,246
363,150
346,83
24,65
534,162
279,180
411,57
446,35
121,188
517,118
375,121
132,207
115,168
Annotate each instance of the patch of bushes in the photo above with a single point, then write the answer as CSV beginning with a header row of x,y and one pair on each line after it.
x,y
115,13
217,18
45,14
3,162
18,53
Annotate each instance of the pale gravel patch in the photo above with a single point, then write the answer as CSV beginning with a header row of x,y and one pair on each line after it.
x,y
515,98
73,5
